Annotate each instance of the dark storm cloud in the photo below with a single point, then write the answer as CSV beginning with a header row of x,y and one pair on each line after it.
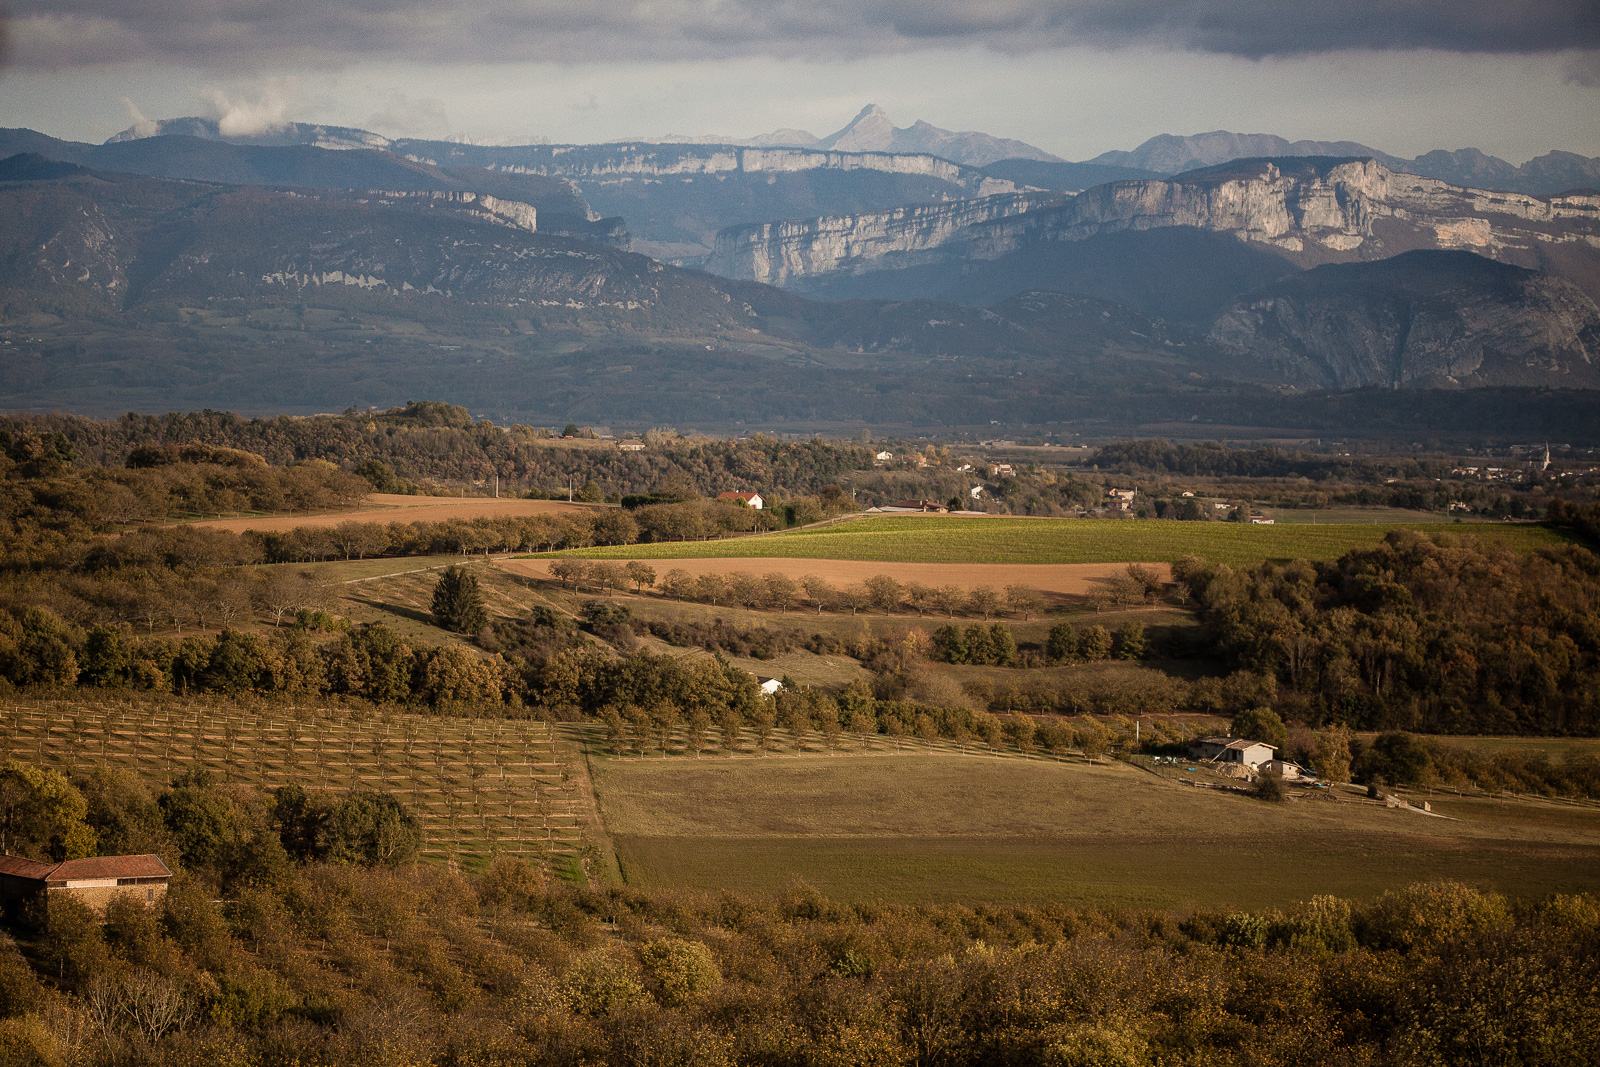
x,y
82,32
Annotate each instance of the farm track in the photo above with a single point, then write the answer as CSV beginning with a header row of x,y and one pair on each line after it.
x,y
475,785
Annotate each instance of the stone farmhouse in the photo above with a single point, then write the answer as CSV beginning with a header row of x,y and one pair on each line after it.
x,y
96,881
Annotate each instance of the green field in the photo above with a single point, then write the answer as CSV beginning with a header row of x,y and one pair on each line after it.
x,y
920,539
916,825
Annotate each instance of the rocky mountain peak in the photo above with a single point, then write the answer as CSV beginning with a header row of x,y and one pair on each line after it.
x,y
869,131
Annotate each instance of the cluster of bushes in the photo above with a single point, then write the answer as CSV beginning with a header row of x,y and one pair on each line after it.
x,y
1403,759
1440,634
757,642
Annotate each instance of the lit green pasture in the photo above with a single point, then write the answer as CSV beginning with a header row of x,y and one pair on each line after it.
x,y
932,539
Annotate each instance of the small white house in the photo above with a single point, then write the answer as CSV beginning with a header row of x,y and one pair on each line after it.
x,y
1235,750
1289,772
748,499
768,686
976,492
883,457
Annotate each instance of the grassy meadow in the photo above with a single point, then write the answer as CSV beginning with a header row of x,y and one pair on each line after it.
x,y
1008,540
909,824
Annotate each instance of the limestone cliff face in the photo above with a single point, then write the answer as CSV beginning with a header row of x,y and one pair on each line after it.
x,y
778,252
589,162
1418,319
490,208
1311,210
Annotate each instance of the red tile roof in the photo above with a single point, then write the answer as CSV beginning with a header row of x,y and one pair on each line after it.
x,y
147,866
18,867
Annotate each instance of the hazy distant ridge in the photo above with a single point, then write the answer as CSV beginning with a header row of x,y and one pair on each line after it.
x,y
1553,172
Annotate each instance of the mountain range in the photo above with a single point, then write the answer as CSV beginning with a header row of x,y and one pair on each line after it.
x,y
1160,156
183,269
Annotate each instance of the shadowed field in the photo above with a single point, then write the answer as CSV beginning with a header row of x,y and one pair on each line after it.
x,y
914,825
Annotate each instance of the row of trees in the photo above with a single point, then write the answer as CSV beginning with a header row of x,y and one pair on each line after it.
x,y
38,651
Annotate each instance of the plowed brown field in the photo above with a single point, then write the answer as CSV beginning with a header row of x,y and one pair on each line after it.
x,y
391,507
1075,579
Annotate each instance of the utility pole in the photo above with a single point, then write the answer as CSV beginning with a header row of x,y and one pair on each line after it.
x,y
569,488
497,487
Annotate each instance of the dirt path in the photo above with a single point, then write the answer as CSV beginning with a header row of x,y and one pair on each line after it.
x,y
391,507
1074,579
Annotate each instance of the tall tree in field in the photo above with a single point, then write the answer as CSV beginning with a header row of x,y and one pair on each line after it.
x,y
641,574
1024,600
983,600
1333,754
458,602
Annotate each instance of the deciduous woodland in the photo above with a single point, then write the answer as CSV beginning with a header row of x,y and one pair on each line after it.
x,y
328,945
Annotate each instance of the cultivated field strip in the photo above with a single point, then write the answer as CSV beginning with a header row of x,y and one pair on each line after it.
x,y
475,785
921,539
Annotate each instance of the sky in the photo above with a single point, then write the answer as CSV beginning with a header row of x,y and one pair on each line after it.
x,y
1074,77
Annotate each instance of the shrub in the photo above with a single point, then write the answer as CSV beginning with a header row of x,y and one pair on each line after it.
x,y
682,970
601,984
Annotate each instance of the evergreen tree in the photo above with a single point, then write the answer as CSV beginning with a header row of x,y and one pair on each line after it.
x,y
1131,641
949,645
1002,646
458,602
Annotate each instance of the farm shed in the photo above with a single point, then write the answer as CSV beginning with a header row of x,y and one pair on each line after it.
x,y
750,499
768,686
1251,754
95,880
1285,769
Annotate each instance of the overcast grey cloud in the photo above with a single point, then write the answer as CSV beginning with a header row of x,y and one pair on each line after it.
x,y
69,33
